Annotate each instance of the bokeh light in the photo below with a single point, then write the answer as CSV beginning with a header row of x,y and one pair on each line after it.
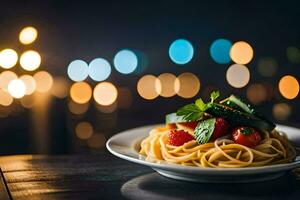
x,y
96,141
124,98
257,93
44,81
281,111
219,51
107,109
5,78
238,76
105,93
8,58
28,101
81,92
293,54
60,87
78,109
5,98
78,70
28,35
84,130
29,82
241,52
125,61
267,66
149,87
17,88
181,51
167,84
30,60
289,87
99,69
187,85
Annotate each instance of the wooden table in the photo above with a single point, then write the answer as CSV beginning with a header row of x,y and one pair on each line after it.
x,y
103,176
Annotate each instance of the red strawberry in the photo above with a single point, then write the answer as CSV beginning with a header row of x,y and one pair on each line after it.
x,y
221,128
179,137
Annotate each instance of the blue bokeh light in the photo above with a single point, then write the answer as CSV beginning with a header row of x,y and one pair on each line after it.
x,y
181,51
99,69
125,61
78,70
219,51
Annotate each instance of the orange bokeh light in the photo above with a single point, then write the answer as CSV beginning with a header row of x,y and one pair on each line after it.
x,y
289,87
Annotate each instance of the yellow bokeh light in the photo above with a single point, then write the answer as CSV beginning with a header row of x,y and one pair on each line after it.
x,y
167,84
84,130
5,98
149,87
60,87
44,81
238,76
257,93
5,78
281,111
81,92
289,87
96,141
8,58
30,60
105,93
78,109
28,35
17,88
187,85
29,83
241,52
28,101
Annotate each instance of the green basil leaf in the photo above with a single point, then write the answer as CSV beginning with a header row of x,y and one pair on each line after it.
x,y
204,130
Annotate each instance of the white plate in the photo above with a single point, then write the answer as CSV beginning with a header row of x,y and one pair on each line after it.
x,y
125,145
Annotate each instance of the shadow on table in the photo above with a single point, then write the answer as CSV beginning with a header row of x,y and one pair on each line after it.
x,y
155,186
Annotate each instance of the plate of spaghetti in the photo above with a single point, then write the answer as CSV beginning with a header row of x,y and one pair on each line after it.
x,y
216,141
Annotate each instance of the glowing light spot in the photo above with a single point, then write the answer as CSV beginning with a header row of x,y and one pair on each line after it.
x,y
238,76
29,84
84,130
107,109
293,54
241,52
28,101
181,51
96,141
167,84
149,87
289,87
8,58
60,87
78,70
267,66
124,98
5,78
219,51
5,98
28,35
281,111
99,69
44,81
125,61
257,93
105,93
78,109
81,92
30,60
17,88
187,85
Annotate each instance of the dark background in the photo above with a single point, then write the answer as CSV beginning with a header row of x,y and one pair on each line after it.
x,y
70,30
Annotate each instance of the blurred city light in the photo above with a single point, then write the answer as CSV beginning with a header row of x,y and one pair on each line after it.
x,y
293,54
125,61
219,51
17,88
28,35
181,51
187,85
167,84
149,87
78,70
267,66
28,101
60,87
281,111
99,69
241,52
29,82
30,60
105,93
84,130
44,81
124,98
78,109
5,98
238,76
5,78
81,92
289,87
257,93
8,58
96,141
